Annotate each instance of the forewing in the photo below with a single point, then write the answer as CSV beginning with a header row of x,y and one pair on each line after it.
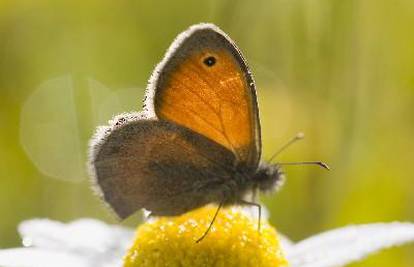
x,y
218,100
160,166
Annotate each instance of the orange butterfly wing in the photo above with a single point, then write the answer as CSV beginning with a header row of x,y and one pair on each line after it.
x,y
204,84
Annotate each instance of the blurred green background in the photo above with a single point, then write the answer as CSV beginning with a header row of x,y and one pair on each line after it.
x,y
340,71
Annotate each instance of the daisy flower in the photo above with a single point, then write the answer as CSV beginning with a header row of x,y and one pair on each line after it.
x,y
232,241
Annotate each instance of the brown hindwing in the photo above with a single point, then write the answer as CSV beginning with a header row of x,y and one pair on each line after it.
x,y
160,166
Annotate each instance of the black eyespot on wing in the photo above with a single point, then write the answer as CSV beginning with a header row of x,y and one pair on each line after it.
x,y
209,61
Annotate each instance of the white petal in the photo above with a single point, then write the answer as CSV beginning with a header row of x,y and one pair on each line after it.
x,y
285,242
84,235
34,257
345,245
85,242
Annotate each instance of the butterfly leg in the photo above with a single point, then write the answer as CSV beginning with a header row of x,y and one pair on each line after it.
x,y
211,223
254,194
259,208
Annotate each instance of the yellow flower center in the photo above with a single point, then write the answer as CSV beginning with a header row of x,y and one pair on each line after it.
x,y
232,241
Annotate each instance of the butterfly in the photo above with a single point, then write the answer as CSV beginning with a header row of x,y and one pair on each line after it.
x,y
197,140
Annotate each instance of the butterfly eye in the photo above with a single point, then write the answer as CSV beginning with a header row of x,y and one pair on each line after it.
x,y
209,61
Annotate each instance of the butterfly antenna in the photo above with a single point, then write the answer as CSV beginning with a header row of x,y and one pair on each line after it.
x,y
297,137
318,163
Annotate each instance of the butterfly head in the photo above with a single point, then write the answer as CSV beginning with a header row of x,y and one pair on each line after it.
x,y
268,177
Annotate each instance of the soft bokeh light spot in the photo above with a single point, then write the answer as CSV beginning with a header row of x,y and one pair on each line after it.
x,y
51,118
49,130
